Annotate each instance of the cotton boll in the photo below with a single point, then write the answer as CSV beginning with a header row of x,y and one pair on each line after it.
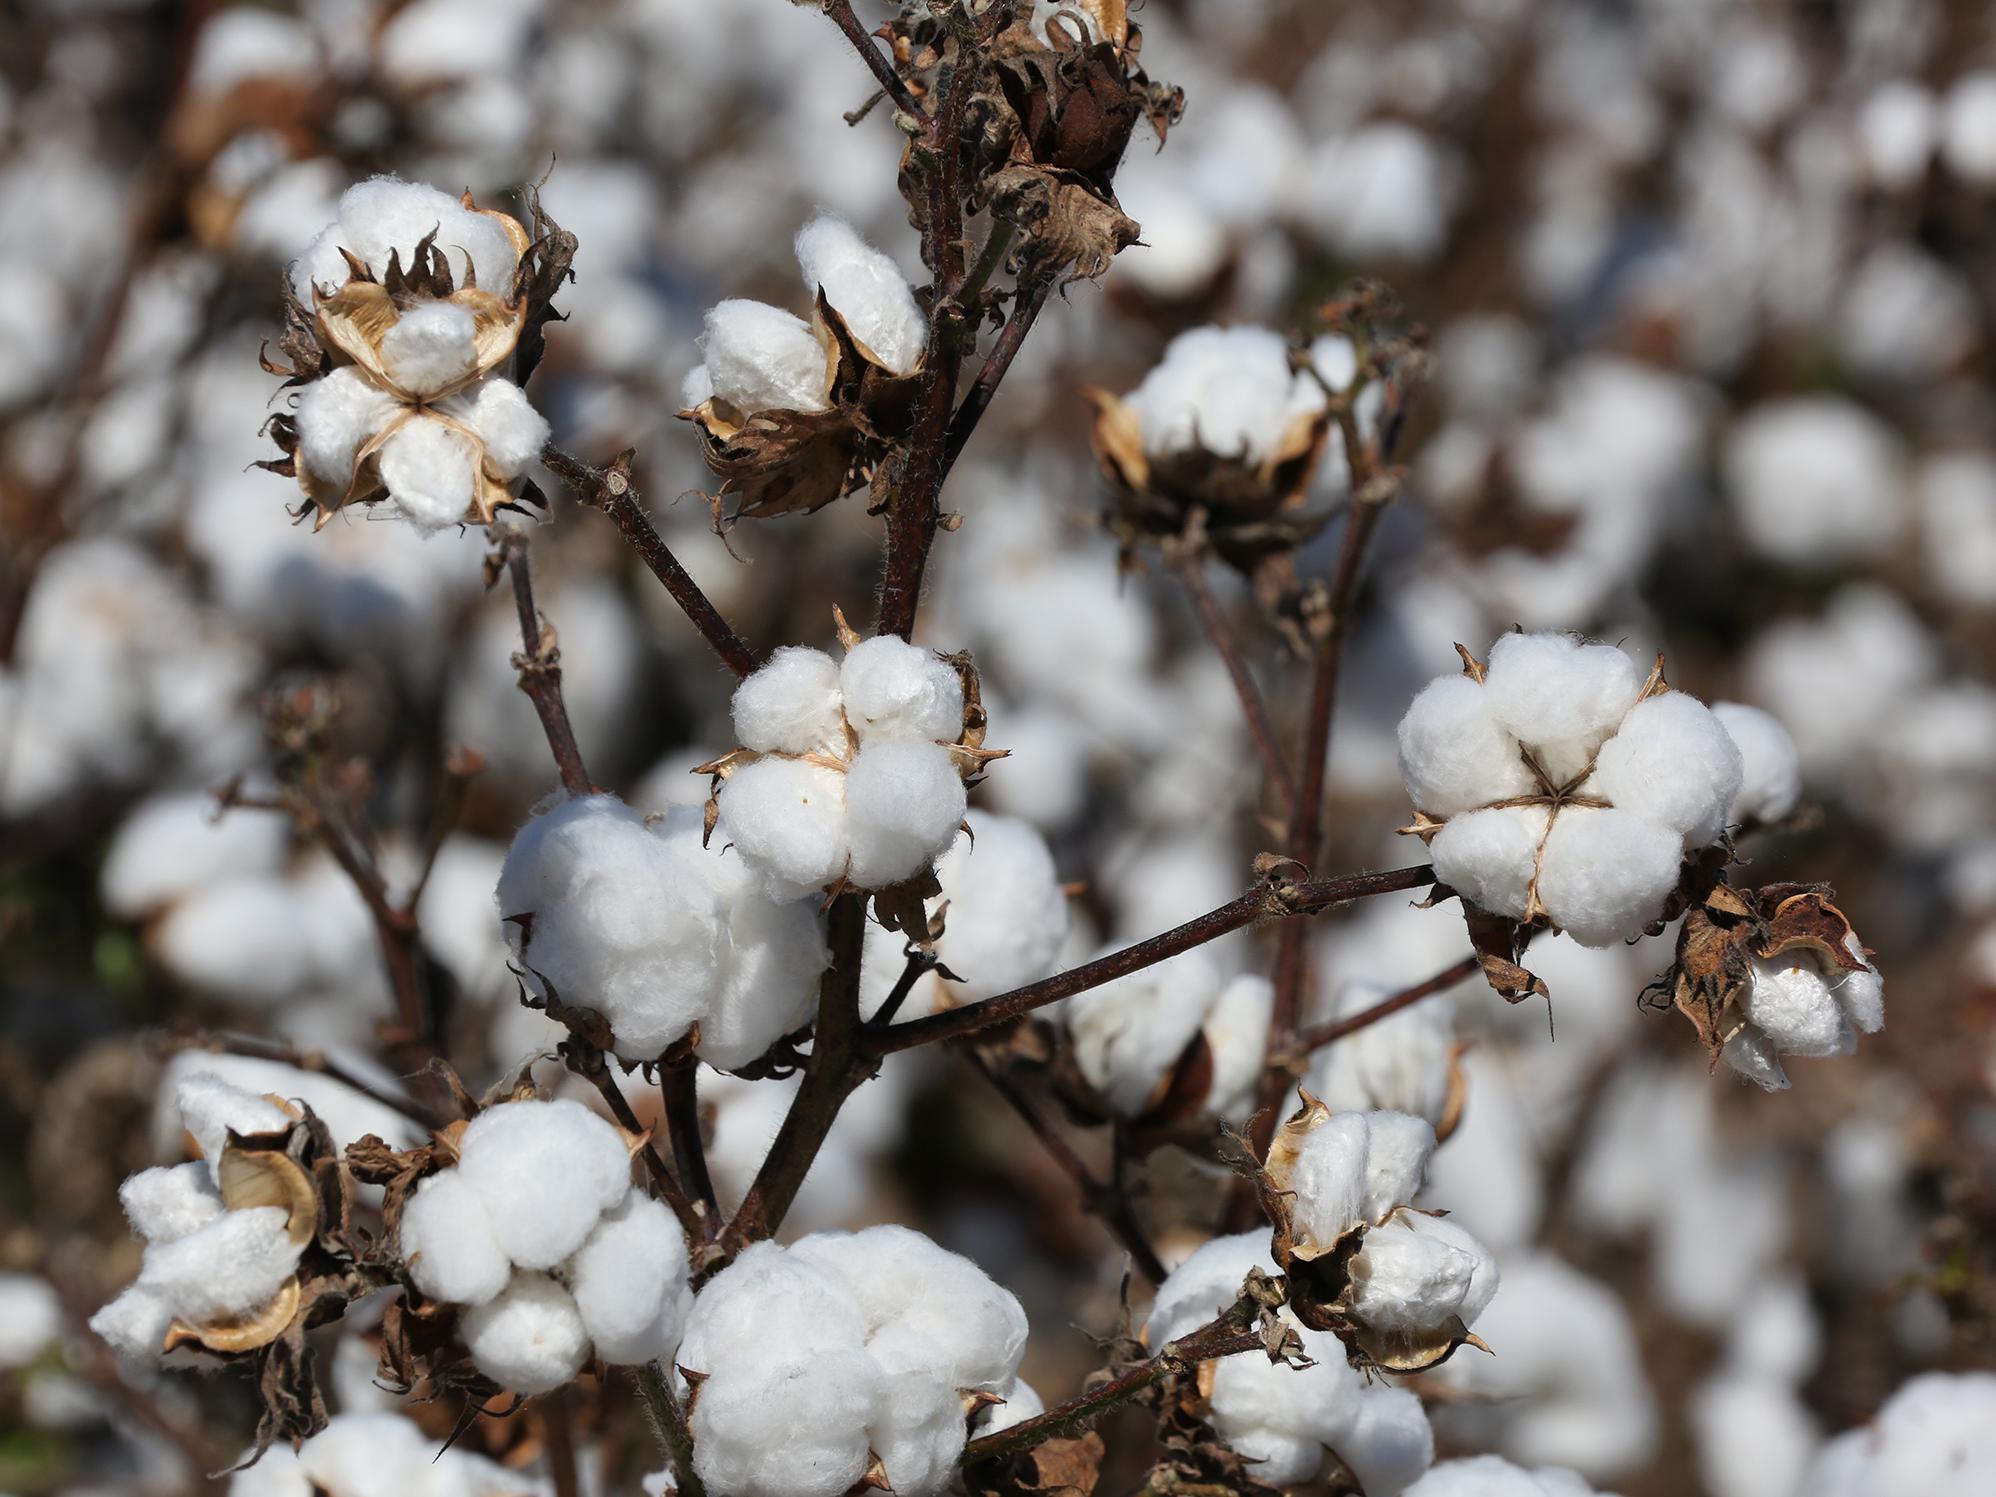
x,y
866,288
768,1297
903,801
1008,914
449,1243
1753,1435
335,417
1814,481
920,1432
1493,1476
629,1282
1227,391
1861,995
211,1110
1129,1033
428,469
1021,1403
232,1266
1236,1033
1788,1001
135,1324
1453,754
174,844
1937,1433
1605,875
1415,1272
430,347
791,705
529,1339
1896,126
504,420
1400,1062
786,1426
1672,763
167,1203
1327,1176
1770,766
545,1171
893,689
1968,129
761,358
1387,1441
788,819
1397,1151
1489,856
1558,697
1204,1285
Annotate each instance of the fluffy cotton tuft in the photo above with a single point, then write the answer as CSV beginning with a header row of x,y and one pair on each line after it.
x,y
1606,874
1227,391
866,288
904,801
363,1454
1400,1063
383,216
545,1172
787,818
1416,1273
1770,766
1558,697
762,358
1490,857
1937,1433
530,1339
1454,755
1493,1476
1799,1004
431,347
629,1281
893,689
1672,763
792,704
1350,1169
1128,1034
449,1243
1814,481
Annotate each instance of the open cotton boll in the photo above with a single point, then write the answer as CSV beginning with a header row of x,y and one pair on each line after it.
x,y
384,216
1227,391
1129,1033
135,1324
431,347
769,1298
1936,1434
1489,856
1752,1434
1559,697
904,801
504,420
428,469
211,1109
545,1171
1415,1273
1236,1034
791,705
1454,755
169,1202
530,1339
761,358
866,288
1788,1001
173,844
788,819
1606,874
1387,1441
335,417
1398,1147
1672,763
232,1266
893,689
1770,766
1400,1062
920,1432
629,1281
1205,1284
784,1425
347,1113
1008,914
449,1243
1814,481
1493,1476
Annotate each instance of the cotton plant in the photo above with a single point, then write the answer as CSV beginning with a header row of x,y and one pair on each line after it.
x,y
550,1256
405,309
842,1358
667,939
360,1453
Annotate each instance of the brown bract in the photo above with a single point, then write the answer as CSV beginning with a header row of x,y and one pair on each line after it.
x,y
781,462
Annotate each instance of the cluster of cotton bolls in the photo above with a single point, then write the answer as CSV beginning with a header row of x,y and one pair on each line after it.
x,y
356,1454
851,774
537,1233
1554,784
637,919
811,1366
1799,1003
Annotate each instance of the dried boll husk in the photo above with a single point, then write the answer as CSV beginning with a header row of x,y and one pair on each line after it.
x,y
780,462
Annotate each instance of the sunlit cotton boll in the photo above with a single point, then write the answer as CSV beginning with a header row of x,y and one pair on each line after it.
x,y
1800,1004
1770,765
545,1171
762,358
1227,391
866,288
1493,1476
530,1338
1814,481
1128,1034
1400,1063
360,1454
383,216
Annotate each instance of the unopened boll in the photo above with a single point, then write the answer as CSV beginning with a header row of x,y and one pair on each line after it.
x,y
1288,1419
1798,1003
814,1360
538,1234
1560,787
634,918
848,771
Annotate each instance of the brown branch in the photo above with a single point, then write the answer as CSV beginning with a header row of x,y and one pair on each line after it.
x,y
1262,900
589,1063
611,490
679,1089
1226,1335
1319,1035
558,1420
313,1062
539,666
1108,1202
831,1075
1191,570
890,81
668,1426
997,363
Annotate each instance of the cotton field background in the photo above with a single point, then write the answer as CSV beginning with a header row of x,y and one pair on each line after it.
x,y
621,620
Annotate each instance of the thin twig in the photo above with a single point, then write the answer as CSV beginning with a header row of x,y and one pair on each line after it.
x,y
679,1090
1331,1030
539,666
1191,570
920,964
1025,308
668,1424
612,491
558,1418
1108,1202
841,12
590,1064
1262,900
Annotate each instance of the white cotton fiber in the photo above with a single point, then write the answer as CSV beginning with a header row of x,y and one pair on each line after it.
x,y
1789,1002
866,288
1400,1063
919,1432
1606,874
1493,1476
1454,756
1559,697
232,1266
788,819
1021,1403
500,416
1008,914
545,1171
893,689
904,801
1489,856
769,1299
1770,766
1387,1440
1327,1178
791,704
529,1339
211,1109
134,1325
1236,1031
1673,764
382,215
170,1202
1228,391
336,416
1129,1033
449,1243
1205,1284
429,470
1397,1151
1413,1274
761,358
1814,480
785,1425
429,348
173,844
629,1282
